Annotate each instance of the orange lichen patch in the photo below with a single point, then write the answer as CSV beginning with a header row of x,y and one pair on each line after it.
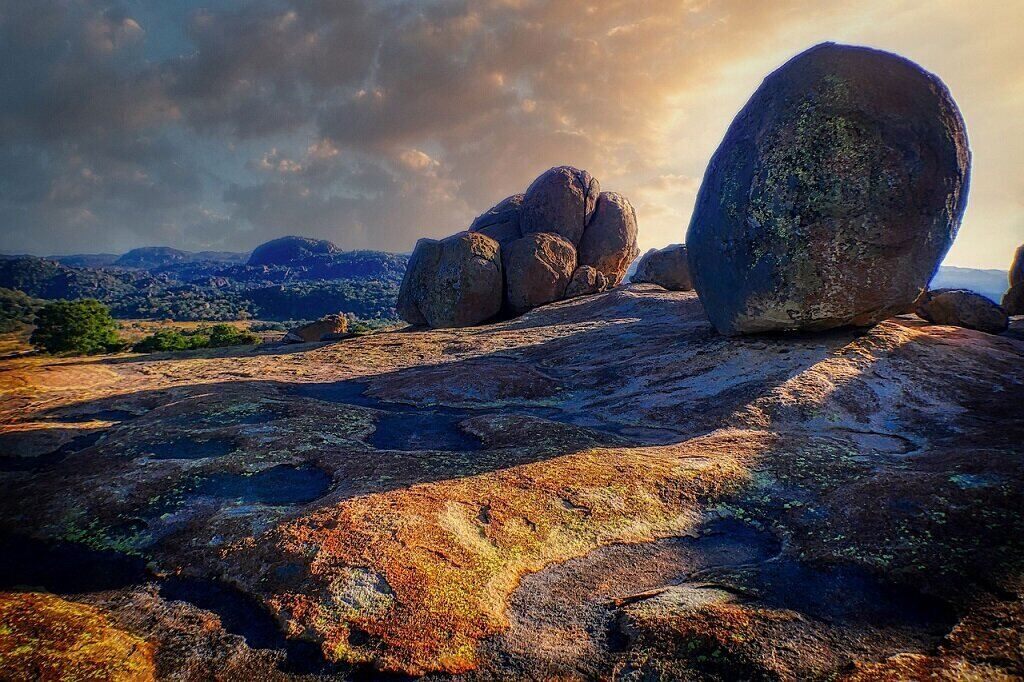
x,y
439,560
920,667
43,637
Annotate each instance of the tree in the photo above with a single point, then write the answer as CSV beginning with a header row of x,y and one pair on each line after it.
x,y
81,327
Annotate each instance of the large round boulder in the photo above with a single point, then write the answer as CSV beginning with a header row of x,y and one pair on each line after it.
x,y
501,221
538,268
1017,267
832,199
454,282
560,201
961,308
609,240
667,267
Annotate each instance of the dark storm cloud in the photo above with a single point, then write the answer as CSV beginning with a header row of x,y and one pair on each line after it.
x,y
369,122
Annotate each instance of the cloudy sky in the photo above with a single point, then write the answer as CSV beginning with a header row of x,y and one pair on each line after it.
x,y
209,124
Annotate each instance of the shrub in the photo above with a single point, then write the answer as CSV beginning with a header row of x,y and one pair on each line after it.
x,y
217,336
79,327
225,335
17,309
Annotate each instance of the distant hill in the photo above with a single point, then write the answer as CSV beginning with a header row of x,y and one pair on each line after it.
x,y
149,257
87,260
287,250
295,279
990,283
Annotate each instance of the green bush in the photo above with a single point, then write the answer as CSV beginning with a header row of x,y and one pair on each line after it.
x,y
225,335
82,327
217,336
17,309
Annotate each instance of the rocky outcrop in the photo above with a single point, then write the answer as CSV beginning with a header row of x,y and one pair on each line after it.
x,y
454,282
834,195
609,242
561,222
667,267
562,200
961,308
537,270
586,280
329,328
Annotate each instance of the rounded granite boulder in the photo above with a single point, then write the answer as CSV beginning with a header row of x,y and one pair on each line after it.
x,y
538,268
1017,267
561,201
667,267
454,282
961,308
501,221
609,240
832,199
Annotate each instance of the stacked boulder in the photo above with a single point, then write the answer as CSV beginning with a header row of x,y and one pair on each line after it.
x,y
1013,299
563,237
835,194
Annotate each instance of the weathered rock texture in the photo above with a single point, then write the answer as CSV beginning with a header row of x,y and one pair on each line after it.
x,y
455,282
537,234
667,267
562,200
609,241
537,270
833,197
962,308
603,488
325,329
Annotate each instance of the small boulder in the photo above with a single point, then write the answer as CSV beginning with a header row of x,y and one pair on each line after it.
x,y
962,308
329,328
1017,267
667,267
560,201
454,282
835,194
1013,299
537,270
501,222
609,240
586,280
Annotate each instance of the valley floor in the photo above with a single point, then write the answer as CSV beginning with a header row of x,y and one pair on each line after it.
x,y
603,488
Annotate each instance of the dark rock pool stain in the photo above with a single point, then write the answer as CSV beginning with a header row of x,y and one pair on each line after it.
x,y
65,567
413,428
39,462
188,448
280,485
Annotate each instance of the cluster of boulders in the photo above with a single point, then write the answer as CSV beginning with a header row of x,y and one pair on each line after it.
x,y
563,237
961,308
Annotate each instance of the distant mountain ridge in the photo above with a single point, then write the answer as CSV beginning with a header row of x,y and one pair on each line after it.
x,y
293,278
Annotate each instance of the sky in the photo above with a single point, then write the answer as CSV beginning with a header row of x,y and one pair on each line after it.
x,y
209,124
